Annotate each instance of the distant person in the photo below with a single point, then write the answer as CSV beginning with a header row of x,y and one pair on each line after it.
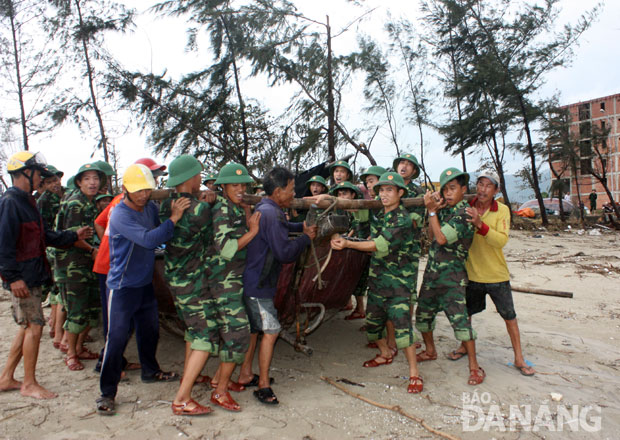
x,y
24,269
486,266
593,196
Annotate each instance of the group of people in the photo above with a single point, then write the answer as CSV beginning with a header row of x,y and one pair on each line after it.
x,y
222,261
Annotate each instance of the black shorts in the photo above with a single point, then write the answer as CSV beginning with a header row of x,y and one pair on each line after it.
x,y
500,293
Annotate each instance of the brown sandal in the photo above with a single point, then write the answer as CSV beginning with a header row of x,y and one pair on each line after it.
x,y
416,385
423,356
373,362
476,377
73,362
181,409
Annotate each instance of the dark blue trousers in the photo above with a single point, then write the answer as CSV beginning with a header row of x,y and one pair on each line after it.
x,y
103,295
126,306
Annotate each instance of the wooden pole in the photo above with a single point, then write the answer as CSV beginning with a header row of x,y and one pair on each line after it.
x,y
537,291
161,194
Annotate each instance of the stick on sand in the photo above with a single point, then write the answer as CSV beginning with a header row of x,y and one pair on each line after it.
x,y
394,408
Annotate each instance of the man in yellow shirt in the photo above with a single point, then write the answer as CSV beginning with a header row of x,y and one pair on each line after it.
x,y
486,266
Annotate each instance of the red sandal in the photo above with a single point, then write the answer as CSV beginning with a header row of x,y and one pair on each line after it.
x,y
416,385
423,356
181,409
88,355
73,363
373,362
354,315
225,401
232,386
476,377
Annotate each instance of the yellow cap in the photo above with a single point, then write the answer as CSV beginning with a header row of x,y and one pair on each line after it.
x,y
138,177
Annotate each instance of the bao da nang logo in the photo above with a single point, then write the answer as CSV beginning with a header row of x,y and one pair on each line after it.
x,y
480,414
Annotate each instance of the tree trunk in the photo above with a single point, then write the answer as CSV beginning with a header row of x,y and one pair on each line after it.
x,y
580,205
103,140
331,131
20,89
231,46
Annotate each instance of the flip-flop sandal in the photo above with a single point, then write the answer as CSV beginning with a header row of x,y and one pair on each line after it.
x,y
105,406
73,363
423,356
416,385
266,395
161,376
254,381
455,355
522,369
373,362
181,409
225,401
476,377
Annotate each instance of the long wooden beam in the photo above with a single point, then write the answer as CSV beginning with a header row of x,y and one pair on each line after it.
x,y
161,194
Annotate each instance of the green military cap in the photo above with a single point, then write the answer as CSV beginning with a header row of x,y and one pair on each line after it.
x,y
55,171
317,179
182,169
451,174
103,196
71,183
90,167
374,170
106,168
341,163
233,173
411,158
210,176
391,178
346,185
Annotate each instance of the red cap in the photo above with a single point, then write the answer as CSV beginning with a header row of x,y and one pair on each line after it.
x,y
150,164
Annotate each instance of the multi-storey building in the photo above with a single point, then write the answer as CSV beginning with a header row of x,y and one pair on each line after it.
x,y
587,121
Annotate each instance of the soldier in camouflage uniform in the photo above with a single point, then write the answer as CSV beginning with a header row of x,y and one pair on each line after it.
x,y
49,204
81,292
227,322
209,181
445,277
390,276
340,171
187,272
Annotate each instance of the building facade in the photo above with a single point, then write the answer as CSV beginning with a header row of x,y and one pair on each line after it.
x,y
597,155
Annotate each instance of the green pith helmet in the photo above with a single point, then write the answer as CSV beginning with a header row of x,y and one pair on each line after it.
x,y
391,178
182,169
210,176
317,179
106,168
55,171
71,183
411,158
343,164
374,170
103,196
90,167
346,185
233,173
451,174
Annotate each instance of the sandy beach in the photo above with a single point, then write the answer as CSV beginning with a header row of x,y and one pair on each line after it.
x,y
573,343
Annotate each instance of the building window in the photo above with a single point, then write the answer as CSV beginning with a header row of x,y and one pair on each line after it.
x,y
602,125
585,130
584,112
585,149
585,167
602,107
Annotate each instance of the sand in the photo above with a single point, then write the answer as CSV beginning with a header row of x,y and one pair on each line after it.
x,y
574,345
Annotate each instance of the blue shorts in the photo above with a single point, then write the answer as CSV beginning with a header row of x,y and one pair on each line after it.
x,y
262,315
500,294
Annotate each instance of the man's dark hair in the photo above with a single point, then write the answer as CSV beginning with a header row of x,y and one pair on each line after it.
x,y
279,177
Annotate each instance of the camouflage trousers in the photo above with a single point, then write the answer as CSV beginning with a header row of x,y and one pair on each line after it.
x,y
52,290
227,330
189,302
397,309
82,303
362,285
435,298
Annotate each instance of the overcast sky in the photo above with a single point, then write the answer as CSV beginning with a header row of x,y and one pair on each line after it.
x,y
157,44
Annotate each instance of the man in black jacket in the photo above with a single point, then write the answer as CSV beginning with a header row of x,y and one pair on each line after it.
x,y
24,268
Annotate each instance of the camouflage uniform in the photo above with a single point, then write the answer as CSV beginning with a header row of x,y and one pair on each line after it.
x,y
359,222
391,274
227,321
445,277
417,214
81,288
185,263
49,204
